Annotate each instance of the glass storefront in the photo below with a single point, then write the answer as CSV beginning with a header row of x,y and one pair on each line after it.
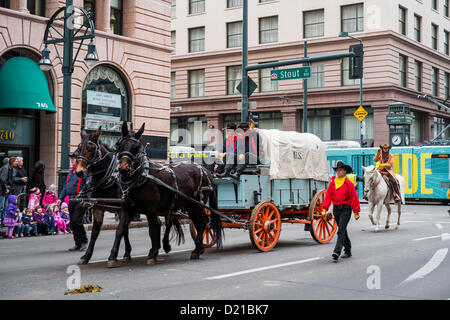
x,y
105,103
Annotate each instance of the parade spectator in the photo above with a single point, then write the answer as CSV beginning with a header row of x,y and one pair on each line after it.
x,y
64,213
19,178
30,226
20,228
34,199
60,224
6,183
49,219
11,214
50,196
342,194
37,177
38,217
72,187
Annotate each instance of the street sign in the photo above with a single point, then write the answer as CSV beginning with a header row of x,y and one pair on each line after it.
x,y
251,86
399,119
360,113
289,74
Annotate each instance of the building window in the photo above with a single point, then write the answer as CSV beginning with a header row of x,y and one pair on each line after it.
x,y
317,79
403,69
435,82
196,6
319,123
268,29
446,10
416,127
5,4
313,23
446,42
234,3
196,83
197,39
173,41
402,14
434,36
417,28
439,125
265,82
173,9
89,6
188,131
173,93
105,102
270,120
116,16
446,85
434,4
234,76
351,127
418,76
345,73
36,7
352,18
234,34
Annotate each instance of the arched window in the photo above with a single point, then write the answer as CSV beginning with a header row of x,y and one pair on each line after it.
x,y
106,102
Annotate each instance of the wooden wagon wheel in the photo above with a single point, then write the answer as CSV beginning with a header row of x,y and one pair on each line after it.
x,y
209,238
265,226
323,228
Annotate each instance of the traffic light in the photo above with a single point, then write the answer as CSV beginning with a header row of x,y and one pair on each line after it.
x,y
255,119
356,62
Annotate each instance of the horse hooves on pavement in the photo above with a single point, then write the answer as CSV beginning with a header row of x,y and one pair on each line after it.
x,y
126,259
82,261
397,227
113,264
167,249
386,227
151,262
195,256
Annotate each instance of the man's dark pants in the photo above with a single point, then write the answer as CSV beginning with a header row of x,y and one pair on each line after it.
x,y
342,214
76,223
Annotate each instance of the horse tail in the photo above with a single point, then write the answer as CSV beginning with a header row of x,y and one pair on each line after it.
x,y
177,232
216,223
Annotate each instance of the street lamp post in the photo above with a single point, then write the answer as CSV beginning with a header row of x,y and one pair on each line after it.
x,y
346,34
70,35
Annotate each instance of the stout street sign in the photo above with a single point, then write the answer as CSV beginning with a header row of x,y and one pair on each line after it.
x,y
288,74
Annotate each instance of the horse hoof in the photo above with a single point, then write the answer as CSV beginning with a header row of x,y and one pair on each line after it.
x,y
202,251
126,259
376,229
195,256
151,262
386,227
112,264
82,261
397,227
167,249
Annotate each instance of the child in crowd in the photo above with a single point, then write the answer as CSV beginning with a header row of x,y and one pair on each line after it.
x,y
11,214
49,219
35,198
59,221
50,196
30,226
38,216
65,215
20,228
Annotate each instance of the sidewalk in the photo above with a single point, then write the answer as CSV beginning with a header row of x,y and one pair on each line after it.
x,y
109,222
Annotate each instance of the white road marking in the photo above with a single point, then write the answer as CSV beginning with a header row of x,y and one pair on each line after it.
x,y
426,238
229,275
144,255
432,264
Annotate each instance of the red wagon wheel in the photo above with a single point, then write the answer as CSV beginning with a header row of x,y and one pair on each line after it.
x,y
323,228
265,226
209,238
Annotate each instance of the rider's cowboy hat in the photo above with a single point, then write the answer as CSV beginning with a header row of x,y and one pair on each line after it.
x,y
385,146
341,164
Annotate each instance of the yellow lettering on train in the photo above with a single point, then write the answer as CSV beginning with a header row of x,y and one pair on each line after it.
x,y
410,186
396,167
424,171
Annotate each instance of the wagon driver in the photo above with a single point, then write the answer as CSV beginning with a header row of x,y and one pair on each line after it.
x,y
342,194
386,160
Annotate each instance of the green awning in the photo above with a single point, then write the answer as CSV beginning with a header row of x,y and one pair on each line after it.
x,y
23,85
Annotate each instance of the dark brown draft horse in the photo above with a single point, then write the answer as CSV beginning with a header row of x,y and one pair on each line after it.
x,y
153,200
100,163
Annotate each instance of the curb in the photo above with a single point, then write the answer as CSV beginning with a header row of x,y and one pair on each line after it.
x,y
113,226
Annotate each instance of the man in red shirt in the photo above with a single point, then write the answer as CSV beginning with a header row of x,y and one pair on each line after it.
x,y
342,194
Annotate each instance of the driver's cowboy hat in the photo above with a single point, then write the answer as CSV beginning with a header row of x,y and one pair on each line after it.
x,y
386,146
342,165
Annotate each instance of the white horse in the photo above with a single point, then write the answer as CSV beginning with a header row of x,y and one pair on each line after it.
x,y
378,194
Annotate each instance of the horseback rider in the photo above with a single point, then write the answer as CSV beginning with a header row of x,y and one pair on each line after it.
x,y
342,194
386,160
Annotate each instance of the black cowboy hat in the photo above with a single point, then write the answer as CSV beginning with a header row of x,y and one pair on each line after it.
x,y
244,125
231,126
341,164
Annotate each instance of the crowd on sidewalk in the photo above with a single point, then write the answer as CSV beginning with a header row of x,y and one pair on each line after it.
x,y
27,206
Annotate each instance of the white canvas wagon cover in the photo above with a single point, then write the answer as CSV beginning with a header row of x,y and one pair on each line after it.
x,y
294,155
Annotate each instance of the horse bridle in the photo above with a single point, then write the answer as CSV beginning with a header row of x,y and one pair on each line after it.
x,y
94,159
126,154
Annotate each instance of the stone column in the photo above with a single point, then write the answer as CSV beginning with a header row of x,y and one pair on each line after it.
x,y
380,128
19,5
291,120
103,15
428,127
